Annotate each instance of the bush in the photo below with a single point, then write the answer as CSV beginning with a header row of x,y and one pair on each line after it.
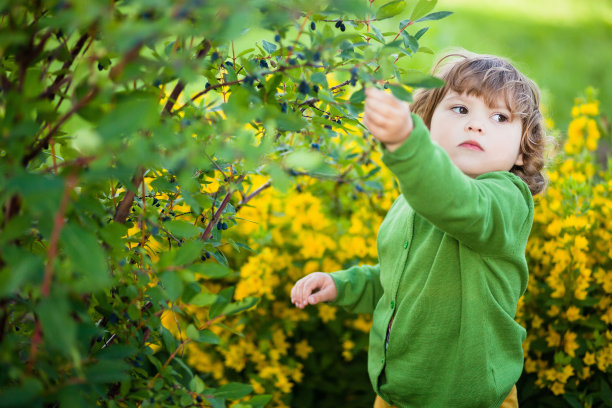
x,y
131,132
567,308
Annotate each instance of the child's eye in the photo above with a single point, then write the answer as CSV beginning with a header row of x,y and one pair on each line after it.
x,y
459,109
498,117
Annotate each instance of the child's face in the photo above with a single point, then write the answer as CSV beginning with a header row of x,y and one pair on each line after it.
x,y
478,138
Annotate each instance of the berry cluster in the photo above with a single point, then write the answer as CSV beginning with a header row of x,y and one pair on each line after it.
x,y
340,25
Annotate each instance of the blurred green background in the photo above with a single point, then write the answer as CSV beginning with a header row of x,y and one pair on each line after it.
x,y
563,45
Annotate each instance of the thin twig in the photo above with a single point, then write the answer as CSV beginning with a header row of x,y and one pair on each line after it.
x,y
219,211
245,200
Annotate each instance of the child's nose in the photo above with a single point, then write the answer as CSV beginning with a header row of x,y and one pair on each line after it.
x,y
473,126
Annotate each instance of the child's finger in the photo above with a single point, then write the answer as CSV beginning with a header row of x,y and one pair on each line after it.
x,y
320,296
309,286
376,119
375,130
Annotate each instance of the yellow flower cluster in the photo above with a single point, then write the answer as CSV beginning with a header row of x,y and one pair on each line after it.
x,y
568,304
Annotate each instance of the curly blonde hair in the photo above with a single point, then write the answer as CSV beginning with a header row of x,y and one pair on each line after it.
x,y
489,77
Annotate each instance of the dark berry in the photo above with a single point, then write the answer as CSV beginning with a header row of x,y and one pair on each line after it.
x,y
315,88
284,107
290,48
277,38
207,255
326,116
157,83
224,226
342,27
353,81
338,23
199,399
293,172
316,56
354,71
313,26
328,127
249,80
219,226
202,258
100,67
292,61
299,188
304,88
359,188
207,85
214,56
263,63
315,146
301,56
229,64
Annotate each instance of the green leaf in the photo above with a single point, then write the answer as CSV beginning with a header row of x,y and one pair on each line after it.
x,y
107,371
357,97
87,257
420,33
189,252
435,16
58,327
173,285
390,9
239,306
410,42
202,336
203,299
211,270
162,185
378,35
260,401
23,395
422,7
268,46
401,93
182,229
233,390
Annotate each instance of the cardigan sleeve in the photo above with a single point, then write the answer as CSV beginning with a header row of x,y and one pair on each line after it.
x,y
491,214
358,288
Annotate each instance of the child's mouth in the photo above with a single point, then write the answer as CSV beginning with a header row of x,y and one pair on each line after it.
x,y
472,145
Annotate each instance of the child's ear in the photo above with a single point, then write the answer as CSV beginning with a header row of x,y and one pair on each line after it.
x,y
519,160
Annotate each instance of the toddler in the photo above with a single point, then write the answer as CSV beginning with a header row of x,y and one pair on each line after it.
x,y
468,157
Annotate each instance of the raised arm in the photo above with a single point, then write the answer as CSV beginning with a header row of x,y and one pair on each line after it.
x,y
488,213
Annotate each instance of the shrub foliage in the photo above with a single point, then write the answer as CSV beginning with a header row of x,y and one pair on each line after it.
x,y
133,135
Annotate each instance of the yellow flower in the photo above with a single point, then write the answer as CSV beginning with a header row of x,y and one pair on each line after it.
x,y
569,343
573,313
257,387
591,109
589,358
553,311
536,322
303,349
558,388
553,339
327,312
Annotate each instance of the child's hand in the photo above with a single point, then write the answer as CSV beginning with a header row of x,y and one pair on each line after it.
x,y
387,118
320,283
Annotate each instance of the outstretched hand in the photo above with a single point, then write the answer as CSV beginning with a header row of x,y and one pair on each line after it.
x,y
312,289
387,118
